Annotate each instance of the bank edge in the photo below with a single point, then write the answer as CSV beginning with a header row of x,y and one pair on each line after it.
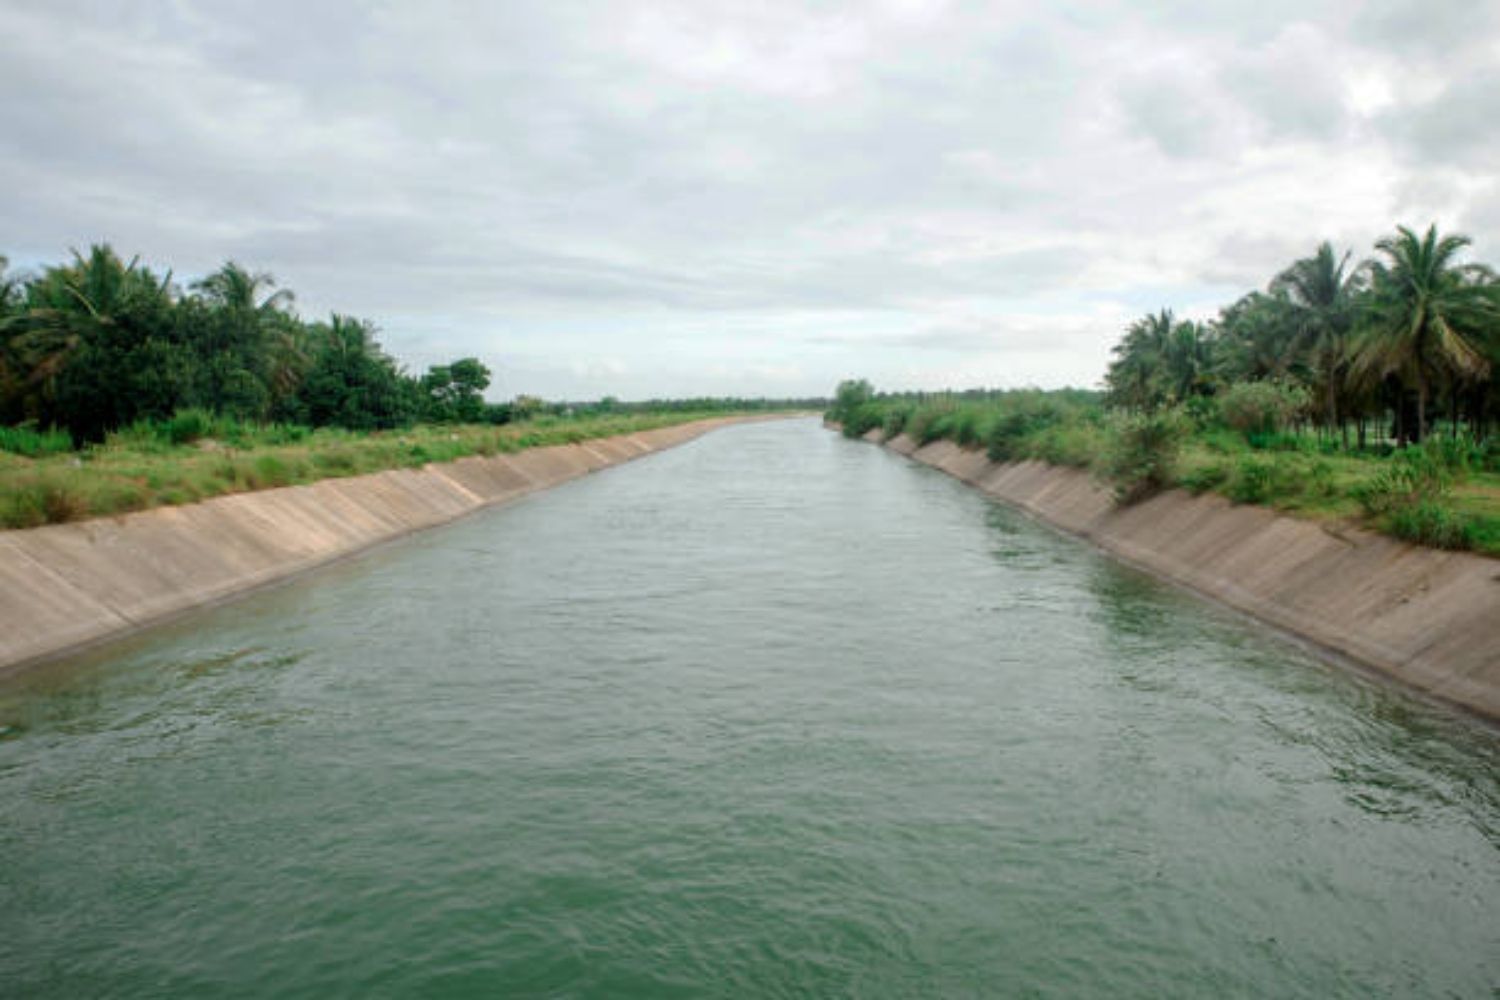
x,y
67,586
1427,618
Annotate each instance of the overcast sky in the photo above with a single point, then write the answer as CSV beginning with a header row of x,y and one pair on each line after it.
x,y
759,199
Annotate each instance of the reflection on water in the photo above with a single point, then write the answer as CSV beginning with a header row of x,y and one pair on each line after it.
x,y
771,714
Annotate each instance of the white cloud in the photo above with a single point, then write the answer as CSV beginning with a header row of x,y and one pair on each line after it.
x,y
704,197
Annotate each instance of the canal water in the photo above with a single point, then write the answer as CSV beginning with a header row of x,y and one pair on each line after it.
x,y
770,714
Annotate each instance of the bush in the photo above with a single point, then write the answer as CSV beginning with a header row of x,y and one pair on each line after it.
x,y
1203,478
1262,408
895,420
1412,476
1430,523
1203,411
187,426
1014,428
861,420
1255,480
930,421
964,426
1077,443
1141,451
28,441
1460,455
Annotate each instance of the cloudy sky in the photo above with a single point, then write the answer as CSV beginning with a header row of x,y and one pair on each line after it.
x,y
646,199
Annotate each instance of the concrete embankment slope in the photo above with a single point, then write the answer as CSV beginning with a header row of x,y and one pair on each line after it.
x,y
67,585
1428,618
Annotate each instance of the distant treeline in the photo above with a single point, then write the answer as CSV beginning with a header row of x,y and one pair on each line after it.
x,y
1407,338
98,344
695,404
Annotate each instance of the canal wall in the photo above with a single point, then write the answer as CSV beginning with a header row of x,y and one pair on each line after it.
x,y
65,586
1429,618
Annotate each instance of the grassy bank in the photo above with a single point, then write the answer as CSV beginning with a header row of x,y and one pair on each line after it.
x,y
194,456
1444,493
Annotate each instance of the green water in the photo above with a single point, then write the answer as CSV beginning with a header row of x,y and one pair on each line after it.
x,y
770,714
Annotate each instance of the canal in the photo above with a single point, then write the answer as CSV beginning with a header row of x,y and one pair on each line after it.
x,y
769,714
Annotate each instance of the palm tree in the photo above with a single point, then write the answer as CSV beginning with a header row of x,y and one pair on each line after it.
x,y
69,307
1320,294
72,327
1187,360
1253,340
1428,315
252,331
1132,377
234,288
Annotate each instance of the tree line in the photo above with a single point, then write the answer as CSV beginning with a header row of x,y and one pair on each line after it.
x,y
98,343
1398,343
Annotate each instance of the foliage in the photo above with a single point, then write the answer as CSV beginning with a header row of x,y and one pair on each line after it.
x,y
1262,408
850,407
1430,523
99,343
34,443
1412,335
1140,453
1413,476
1428,317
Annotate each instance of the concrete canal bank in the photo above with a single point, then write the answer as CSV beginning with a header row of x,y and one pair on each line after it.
x,y
65,586
1428,618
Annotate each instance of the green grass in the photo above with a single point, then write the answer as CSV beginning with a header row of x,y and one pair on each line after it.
x,y
195,456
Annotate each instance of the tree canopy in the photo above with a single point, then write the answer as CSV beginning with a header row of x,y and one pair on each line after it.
x,y
99,342
1412,333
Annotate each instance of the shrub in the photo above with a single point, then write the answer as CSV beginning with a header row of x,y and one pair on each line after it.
x,y
1018,425
1262,408
895,420
964,426
26,440
851,402
1484,533
930,421
1429,523
1255,480
1203,411
862,419
1458,454
1413,475
1203,478
187,426
1077,443
1141,451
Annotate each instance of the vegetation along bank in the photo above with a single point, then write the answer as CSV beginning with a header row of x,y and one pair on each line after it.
x,y
122,390
1280,457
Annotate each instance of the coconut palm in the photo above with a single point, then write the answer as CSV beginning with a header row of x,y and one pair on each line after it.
x,y
1320,294
1254,338
1428,315
1187,360
1133,375
234,288
85,303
